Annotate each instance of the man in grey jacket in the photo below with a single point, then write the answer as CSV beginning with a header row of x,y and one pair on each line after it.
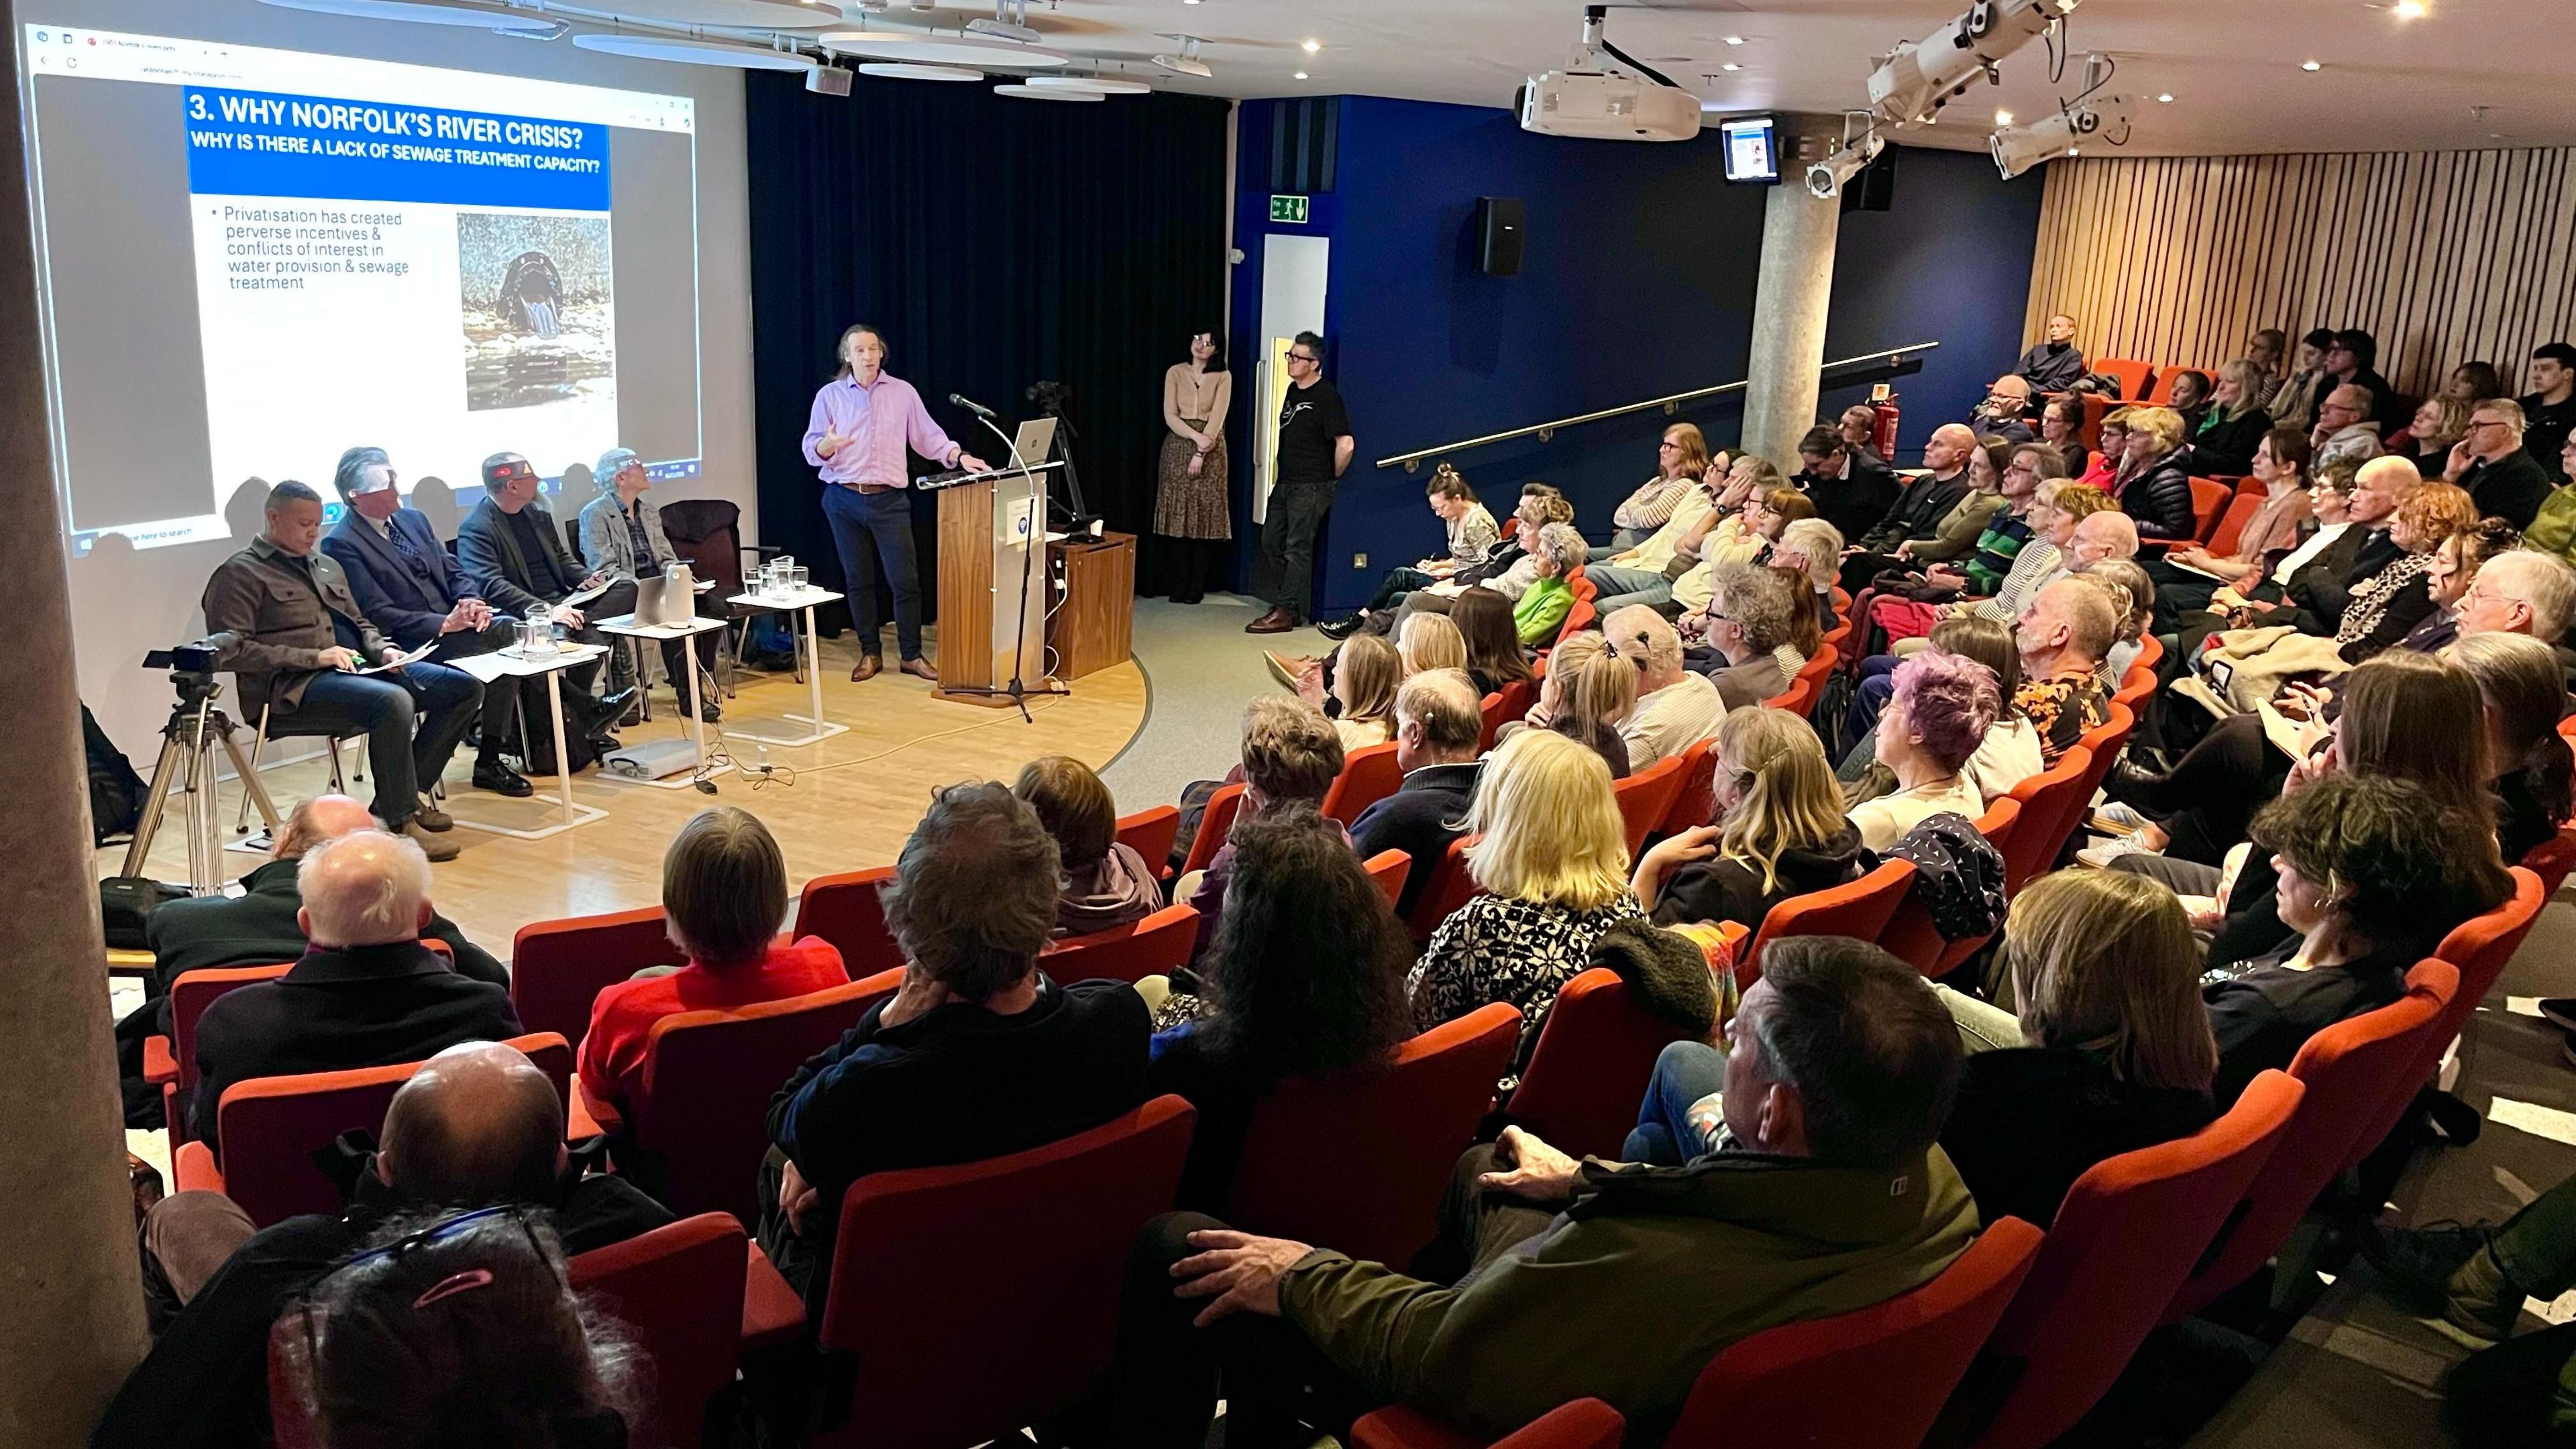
x,y
512,546
622,541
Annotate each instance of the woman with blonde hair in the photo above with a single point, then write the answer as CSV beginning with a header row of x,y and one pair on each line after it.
x,y
1551,855
1364,684
1430,641
2110,1050
1588,691
2155,486
2223,442
2528,767
1780,832
2439,423
1680,457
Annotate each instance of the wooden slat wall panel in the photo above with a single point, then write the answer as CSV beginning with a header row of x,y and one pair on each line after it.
x,y
2443,255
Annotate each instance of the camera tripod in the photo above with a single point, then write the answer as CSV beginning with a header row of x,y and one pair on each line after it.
x,y
187,764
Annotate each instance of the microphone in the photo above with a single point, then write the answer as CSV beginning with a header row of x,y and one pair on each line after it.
x,y
972,406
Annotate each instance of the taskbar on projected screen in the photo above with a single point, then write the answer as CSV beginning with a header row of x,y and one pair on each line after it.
x,y
211,527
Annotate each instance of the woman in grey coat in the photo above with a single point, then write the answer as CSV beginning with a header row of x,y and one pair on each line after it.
x,y
622,539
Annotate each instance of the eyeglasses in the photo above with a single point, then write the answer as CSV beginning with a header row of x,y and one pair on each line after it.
x,y
1668,445
435,1233
1294,356
2489,423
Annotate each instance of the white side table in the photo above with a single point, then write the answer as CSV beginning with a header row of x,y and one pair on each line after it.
x,y
793,601
511,664
624,625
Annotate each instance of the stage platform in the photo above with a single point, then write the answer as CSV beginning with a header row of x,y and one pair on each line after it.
x,y
854,798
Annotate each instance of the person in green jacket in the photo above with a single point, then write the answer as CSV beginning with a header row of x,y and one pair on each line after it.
x,y
1559,1279
1542,607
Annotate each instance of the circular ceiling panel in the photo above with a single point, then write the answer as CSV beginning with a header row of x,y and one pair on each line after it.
x,y
692,52
422,12
926,49
1105,85
757,14
911,70
1019,92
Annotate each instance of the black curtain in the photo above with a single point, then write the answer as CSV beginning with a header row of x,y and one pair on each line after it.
x,y
997,242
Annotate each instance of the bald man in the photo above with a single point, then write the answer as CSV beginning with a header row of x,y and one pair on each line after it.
x,y
2005,412
1915,516
364,993
477,1124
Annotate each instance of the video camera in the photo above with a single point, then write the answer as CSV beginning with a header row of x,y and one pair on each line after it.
x,y
1052,398
193,665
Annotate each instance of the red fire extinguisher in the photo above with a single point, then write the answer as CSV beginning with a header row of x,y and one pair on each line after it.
x,y
1882,401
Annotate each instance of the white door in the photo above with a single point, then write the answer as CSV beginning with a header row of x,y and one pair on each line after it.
x,y
1292,301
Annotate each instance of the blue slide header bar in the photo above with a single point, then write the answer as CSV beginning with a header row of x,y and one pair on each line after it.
x,y
254,143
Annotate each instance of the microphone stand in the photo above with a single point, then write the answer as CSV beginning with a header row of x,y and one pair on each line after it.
x,y
1018,691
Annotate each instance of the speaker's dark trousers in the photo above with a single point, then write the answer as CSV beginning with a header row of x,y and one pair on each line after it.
x,y
1284,574
868,528
443,700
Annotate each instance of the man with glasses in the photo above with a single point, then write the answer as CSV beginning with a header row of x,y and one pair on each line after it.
x,y
2004,412
2491,463
2344,430
1315,445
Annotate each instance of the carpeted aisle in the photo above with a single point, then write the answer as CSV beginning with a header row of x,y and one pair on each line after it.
x,y
1200,668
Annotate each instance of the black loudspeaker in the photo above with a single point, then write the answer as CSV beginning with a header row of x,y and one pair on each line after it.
x,y
1501,222
1874,189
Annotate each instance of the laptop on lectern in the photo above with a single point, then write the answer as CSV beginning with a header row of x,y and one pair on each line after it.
x,y
1036,440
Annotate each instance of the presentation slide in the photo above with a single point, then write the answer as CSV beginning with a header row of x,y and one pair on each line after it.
x,y
293,254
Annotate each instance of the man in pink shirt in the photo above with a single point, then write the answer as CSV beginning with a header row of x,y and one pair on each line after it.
x,y
863,424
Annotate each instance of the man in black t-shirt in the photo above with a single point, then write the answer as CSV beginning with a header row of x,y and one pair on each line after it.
x,y
2550,412
1315,445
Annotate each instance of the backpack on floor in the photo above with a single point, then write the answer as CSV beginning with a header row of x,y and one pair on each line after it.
x,y
115,791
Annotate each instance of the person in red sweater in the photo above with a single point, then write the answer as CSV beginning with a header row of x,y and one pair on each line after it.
x,y
724,888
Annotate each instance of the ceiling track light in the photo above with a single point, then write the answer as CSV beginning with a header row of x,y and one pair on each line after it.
x,y
1187,61
1010,22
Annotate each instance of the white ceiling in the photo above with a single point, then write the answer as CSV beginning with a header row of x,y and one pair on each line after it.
x,y
2232,66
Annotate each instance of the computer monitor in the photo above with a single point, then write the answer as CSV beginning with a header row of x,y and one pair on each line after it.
x,y
1752,150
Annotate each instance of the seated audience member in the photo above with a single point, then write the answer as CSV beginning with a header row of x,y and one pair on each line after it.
x,y
302,641
2133,603
1437,726
1830,1195
2383,606
409,586
260,927
2550,409
1432,641
1852,487
2527,763
1680,458
2155,488
622,541
979,1055
1676,709
2188,574
1471,538
1305,979
2352,360
2010,753
2065,634
1781,831
2005,412
2222,441
1954,539
1814,548
2373,872
1917,514
1906,610
1289,753
2473,382
1553,865
1936,716
1106,883
2492,464
464,1330
512,544
2316,592
2110,1050
1588,694
2345,430
2054,363
2469,1282
2071,524
1366,670
2061,426
2519,591
1637,575
1746,623
1542,607
724,891
2295,403
477,1124
2189,397
2449,575
1493,637
2440,423
1508,571
1857,426
2111,461
2268,349
365,993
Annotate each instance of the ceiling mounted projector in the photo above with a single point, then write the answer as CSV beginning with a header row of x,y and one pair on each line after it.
x,y
1605,94
430,12
1187,62
2016,149
1010,22
1914,81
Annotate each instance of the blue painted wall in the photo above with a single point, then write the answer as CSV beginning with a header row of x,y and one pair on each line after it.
x,y
1637,281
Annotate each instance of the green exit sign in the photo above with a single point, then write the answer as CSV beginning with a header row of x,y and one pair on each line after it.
x,y
1291,209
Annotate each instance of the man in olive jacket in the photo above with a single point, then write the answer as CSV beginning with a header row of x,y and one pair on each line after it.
x,y
1830,1196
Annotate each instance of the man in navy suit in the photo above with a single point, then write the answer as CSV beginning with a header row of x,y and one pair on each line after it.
x,y
408,584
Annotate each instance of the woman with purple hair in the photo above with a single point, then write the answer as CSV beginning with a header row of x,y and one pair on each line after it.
x,y
1941,709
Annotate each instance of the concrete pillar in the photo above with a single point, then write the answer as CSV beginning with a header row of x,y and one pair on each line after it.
x,y
1793,292
71,1307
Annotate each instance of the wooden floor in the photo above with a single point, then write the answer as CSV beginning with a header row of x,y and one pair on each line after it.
x,y
854,797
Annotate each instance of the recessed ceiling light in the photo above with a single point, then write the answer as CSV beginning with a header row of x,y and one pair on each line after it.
x,y
2412,9
1301,75
1735,40
2166,97
2003,118
1730,65
2310,65
1310,47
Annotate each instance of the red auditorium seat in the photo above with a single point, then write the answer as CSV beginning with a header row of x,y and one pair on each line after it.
x,y
557,967
1860,909
1910,935
1215,823
707,1080
1583,1424
1369,774
2208,504
1150,833
2045,803
2550,860
1646,797
844,910
1389,868
2124,1240
2231,527
2151,652
1696,802
679,1291
1358,1162
1451,885
1583,615
1158,945
931,1350
2136,380
171,1061
272,1126
1588,1073
2135,686
2346,1068
1503,706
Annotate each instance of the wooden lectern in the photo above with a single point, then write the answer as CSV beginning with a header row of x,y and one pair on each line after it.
x,y
992,594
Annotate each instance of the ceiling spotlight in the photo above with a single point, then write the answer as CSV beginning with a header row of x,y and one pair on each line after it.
x,y
1187,62
1189,2
2310,65
2412,9
1311,46
2003,118
2165,96
1735,40
1301,75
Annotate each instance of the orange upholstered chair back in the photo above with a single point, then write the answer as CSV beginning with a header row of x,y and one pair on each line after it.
x,y
1860,909
2136,379
1589,1071
1155,946
1451,885
844,909
190,994
708,1077
1389,868
678,1290
2231,525
2045,801
1150,833
1392,1135
557,967
1696,802
1647,796
2208,506
1216,822
1369,774
2551,858
1504,706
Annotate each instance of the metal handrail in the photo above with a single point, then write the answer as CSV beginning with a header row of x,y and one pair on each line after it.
x,y
1547,431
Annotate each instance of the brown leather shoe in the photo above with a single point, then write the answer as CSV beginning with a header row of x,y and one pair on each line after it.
x,y
921,669
867,668
435,846
431,817
1277,621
